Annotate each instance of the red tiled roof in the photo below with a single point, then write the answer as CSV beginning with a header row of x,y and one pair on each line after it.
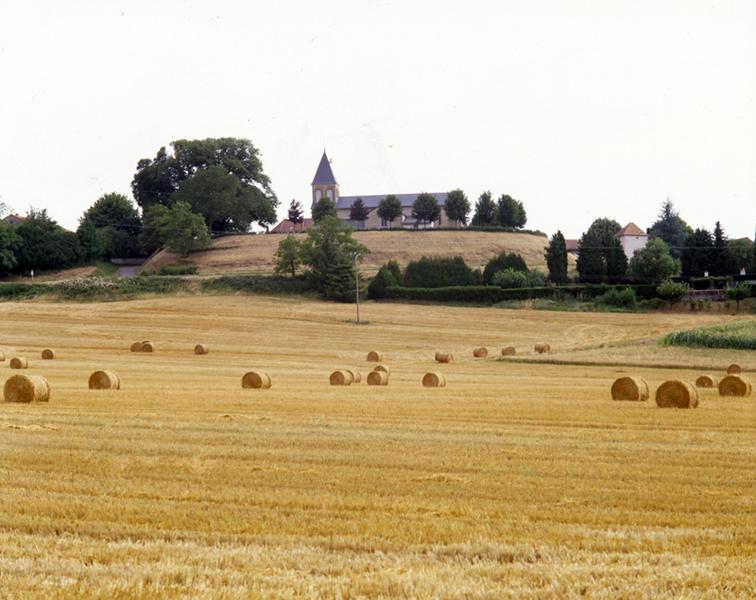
x,y
287,226
630,229
571,245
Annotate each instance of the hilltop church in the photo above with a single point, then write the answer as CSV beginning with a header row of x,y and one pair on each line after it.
x,y
324,184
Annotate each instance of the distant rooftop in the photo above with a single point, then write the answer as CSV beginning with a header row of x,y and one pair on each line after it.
x,y
631,229
373,200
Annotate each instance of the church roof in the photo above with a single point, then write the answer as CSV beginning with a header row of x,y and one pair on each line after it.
x,y
372,201
630,229
324,174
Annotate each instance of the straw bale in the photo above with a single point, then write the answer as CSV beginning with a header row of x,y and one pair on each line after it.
x,y
201,349
383,368
147,346
735,385
48,354
706,381
542,347
508,351
356,375
104,380
377,378
340,377
19,362
256,380
136,347
434,379
480,352
374,356
734,369
26,388
676,394
630,388
444,357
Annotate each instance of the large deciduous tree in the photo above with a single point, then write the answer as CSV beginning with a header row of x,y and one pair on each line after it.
x,y
323,208
331,252
220,178
357,212
389,209
288,255
601,257
425,208
485,211
457,206
556,259
510,212
110,228
45,245
177,227
653,263
9,244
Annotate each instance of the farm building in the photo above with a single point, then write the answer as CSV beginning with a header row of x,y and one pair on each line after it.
x,y
632,238
14,220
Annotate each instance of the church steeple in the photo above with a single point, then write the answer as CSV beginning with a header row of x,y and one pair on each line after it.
x,y
324,183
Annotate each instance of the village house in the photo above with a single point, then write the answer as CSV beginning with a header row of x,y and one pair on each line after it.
x,y
631,237
14,220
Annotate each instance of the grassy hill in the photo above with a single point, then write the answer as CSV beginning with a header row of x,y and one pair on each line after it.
x,y
254,253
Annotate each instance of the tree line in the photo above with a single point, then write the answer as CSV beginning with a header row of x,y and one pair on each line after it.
x,y
200,187
674,249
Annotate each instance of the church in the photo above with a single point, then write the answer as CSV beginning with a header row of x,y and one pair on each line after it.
x,y
324,184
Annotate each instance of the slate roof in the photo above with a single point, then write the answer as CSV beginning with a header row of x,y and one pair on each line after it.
x,y
373,200
324,174
630,229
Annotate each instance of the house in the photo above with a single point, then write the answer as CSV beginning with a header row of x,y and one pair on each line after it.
x,y
632,238
287,226
324,184
14,220
572,247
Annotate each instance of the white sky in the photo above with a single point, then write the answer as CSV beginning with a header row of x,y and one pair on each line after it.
x,y
579,108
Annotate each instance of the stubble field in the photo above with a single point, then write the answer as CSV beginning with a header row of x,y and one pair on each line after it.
x,y
516,480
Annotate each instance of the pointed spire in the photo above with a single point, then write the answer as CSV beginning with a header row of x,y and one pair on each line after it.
x,y
324,174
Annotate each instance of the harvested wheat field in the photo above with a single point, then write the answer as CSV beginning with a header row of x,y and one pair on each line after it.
x,y
514,480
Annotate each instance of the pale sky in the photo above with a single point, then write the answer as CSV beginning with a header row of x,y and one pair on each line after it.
x,y
580,109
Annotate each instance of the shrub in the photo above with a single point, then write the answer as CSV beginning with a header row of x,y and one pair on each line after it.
x,y
509,278
382,280
739,293
438,272
536,278
503,261
619,297
671,291
168,270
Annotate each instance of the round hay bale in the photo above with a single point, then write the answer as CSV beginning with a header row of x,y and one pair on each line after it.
x,y
630,388
508,351
256,380
705,381
104,380
26,388
356,376
147,347
434,379
383,368
735,385
48,354
734,369
201,349
676,394
340,377
136,347
377,378
374,356
444,357
19,362
480,352
542,347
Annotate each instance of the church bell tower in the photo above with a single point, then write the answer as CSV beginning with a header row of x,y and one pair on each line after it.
x,y
324,183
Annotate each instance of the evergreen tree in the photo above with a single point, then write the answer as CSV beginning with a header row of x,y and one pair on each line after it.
x,y
697,254
485,211
601,257
357,212
511,212
296,213
556,259
671,228
721,259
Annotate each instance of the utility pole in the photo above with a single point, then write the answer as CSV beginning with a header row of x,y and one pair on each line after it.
x,y
356,286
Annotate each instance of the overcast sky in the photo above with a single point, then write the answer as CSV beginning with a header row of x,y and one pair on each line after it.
x,y
581,109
